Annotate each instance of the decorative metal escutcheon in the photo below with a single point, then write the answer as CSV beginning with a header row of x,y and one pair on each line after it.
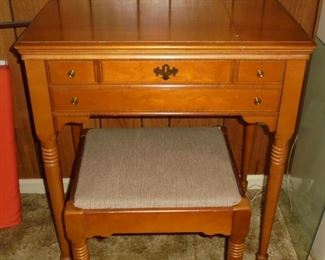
x,y
165,71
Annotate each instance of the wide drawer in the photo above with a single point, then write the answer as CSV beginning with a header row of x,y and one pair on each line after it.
x,y
260,71
71,72
164,99
165,72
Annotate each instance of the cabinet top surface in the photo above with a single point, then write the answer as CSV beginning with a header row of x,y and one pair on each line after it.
x,y
91,23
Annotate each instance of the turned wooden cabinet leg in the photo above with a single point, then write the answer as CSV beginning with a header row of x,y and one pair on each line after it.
x,y
278,163
292,87
80,250
45,129
239,231
55,191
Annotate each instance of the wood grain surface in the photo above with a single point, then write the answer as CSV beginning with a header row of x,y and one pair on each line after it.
x,y
304,11
271,52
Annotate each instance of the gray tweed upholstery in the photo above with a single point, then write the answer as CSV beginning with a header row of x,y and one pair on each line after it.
x,y
155,168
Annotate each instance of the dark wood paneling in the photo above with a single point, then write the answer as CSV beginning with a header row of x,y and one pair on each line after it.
x,y
27,156
304,11
155,122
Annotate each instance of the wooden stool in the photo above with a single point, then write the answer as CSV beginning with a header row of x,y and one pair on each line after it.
x,y
156,180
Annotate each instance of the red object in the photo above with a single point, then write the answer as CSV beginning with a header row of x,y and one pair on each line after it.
x,y
10,207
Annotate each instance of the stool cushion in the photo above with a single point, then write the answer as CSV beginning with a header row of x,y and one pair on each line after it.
x,y
155,168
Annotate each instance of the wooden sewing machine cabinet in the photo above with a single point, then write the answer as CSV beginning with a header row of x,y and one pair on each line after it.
x,y
92,58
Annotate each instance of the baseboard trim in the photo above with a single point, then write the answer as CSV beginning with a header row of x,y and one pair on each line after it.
x,y
37,185
256,181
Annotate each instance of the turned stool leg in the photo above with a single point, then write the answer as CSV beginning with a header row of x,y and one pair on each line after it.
x,y
80,250
235,249
239,230
73,220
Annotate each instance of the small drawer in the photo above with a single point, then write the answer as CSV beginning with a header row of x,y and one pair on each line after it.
x,y
165,72
71,72
260,71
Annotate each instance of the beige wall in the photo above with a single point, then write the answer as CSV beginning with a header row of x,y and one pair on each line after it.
x,y
321,27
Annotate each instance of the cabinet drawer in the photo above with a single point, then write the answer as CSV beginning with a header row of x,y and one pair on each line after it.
x,y
165,72
165,99
260,71
71,72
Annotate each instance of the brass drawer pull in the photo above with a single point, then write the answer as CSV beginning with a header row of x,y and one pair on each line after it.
x,y
74,101
257,101
260,73
165,71
71,73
